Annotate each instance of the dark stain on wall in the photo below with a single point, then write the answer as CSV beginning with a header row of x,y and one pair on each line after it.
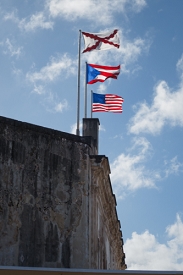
x,y
41,193
18,152
52,244
66,253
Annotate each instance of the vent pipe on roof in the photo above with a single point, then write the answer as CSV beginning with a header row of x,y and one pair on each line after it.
x,y
91,128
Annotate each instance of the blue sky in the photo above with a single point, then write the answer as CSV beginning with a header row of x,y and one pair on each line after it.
x,y
38,59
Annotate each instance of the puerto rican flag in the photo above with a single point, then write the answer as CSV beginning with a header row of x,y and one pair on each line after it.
x,y
101,41
100,73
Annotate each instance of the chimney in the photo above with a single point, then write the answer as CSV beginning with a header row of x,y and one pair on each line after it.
x,y
91,128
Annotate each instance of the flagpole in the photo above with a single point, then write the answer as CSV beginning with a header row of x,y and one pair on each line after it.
x,y
91,101
78,101
86,92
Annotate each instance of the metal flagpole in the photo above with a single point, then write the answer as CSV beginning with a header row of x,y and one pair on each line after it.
x,y
86,92
78,102
91,102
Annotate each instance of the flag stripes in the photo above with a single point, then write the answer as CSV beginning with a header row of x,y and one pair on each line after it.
x,y
107,103
100,73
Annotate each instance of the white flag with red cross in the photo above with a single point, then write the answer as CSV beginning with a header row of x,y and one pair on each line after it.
x,y
101,41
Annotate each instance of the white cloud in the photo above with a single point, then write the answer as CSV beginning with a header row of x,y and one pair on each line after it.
x,y
128,172
102,87
137,5
102,128
74,127
35,21
173,167
11,49
120,136
11,16
58,66
17,72
51,72
39,89
179,64
130,51
61,106
91,9
71,10
53,104
144,252
127,54
166,108
176,231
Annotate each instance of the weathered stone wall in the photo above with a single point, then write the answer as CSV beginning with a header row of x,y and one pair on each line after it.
x,y
43,196
57,208
106,235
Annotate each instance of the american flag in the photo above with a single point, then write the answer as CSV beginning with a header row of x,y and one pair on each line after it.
x,y
107,103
